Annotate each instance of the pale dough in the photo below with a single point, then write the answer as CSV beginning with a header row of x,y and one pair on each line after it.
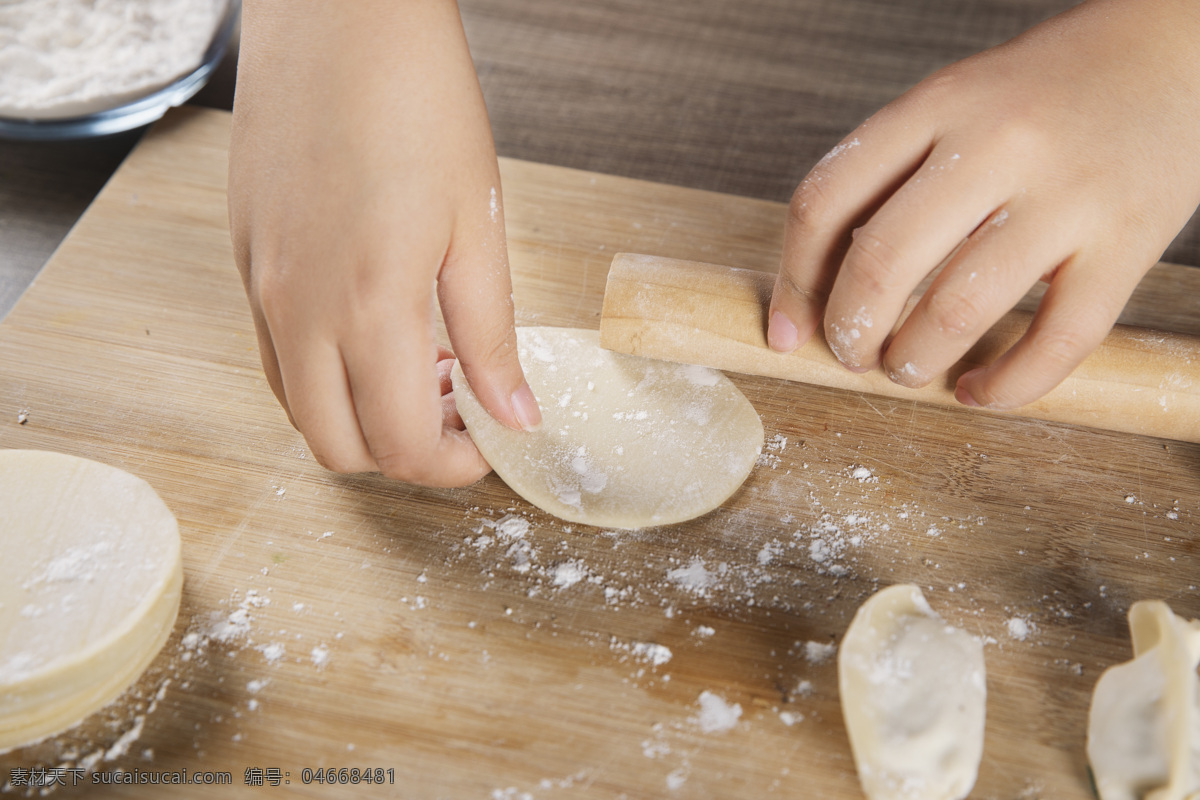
x,y
914,695
90,580
625,442
1144,722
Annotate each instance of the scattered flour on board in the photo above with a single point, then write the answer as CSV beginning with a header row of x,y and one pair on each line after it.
x,y
769,552
1019,628
772,447
827,541
831,539
676,778
863,474
695,577
654,654
121,746
511,793
320,656
716,714
569,573
273,652
818,652
511,527
226,628
843,523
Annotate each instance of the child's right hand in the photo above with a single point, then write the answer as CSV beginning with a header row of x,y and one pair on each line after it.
x,y
362,177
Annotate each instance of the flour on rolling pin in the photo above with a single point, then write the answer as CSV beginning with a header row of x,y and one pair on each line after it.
x,y
90,585
1137,381
625,442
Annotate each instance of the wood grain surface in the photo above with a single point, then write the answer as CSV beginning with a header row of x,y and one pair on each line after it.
x,y
480,648
738,96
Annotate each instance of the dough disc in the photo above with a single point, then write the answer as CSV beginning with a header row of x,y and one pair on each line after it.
x,y
90,582
625,442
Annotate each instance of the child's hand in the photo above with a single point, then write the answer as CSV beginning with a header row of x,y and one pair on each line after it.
x,y
362,178
1071,154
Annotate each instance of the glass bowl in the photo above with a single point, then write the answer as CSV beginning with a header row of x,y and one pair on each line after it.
x,y
132,113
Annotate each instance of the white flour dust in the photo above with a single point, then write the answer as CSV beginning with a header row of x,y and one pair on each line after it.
x,y
819,652
716,715
650,653
64,58
1019,628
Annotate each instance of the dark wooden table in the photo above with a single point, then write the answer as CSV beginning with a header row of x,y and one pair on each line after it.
x,y
738,96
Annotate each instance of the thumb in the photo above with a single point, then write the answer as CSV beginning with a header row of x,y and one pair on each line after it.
x,y
475,293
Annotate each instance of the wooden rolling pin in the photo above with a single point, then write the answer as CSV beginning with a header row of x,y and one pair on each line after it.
x,y
1137,381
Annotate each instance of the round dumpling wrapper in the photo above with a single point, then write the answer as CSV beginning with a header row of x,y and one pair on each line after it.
x,y
90,584
625,441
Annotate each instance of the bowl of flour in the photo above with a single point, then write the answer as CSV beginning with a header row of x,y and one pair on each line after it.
x,y
79,68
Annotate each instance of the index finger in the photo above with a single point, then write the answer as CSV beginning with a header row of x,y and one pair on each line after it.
x,y
840,193
392,367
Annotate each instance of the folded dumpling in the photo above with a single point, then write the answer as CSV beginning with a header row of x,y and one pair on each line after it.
x,y
1144,723
914,694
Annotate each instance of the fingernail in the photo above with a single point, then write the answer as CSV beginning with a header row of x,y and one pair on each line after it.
x,y
525,407
965,397
908,376
782,335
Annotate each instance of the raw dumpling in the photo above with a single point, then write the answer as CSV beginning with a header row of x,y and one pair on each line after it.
x,y
90,582
1144,723
913,696
625,442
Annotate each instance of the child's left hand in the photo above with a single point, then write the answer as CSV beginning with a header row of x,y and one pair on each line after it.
x,y
1071,153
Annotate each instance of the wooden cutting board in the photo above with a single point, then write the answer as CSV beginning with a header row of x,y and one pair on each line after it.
x,y
468,645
